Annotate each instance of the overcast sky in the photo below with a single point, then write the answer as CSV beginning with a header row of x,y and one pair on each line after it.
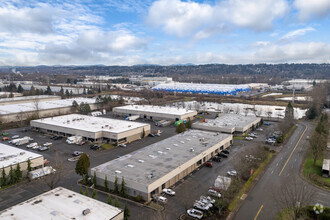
x,y
165,32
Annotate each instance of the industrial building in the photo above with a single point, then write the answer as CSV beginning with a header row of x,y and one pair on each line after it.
x,y
218,89
228,123
10,94
151,81
39,109
149,170
61,203
11,156
27,99
155,112
92,128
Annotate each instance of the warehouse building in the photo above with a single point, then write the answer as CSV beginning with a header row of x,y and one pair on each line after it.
x,y
10,94
11,156
229,123
93,128
39,109
61,203
27,99
155,112
149,170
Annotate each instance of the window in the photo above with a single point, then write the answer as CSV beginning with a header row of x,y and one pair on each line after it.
x,y
199,162
221,148
134,192
163,186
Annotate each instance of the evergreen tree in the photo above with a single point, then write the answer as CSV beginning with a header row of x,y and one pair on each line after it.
x,y
48,91
81,191
109,200
94,179
94,194
188,124
180,128
116,204
82,166
12,177
29,168
3,181
11,95
127,213
71,93
20,89
115,188
143,133
18,173
106,184
84,92
61,91
67,94
86,192
123,188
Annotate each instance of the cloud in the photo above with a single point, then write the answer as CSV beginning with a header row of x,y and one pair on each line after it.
x,y
296,33
309,9
184,19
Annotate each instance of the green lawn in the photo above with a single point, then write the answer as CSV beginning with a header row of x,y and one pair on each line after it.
x,y
107,146
238,138
310,168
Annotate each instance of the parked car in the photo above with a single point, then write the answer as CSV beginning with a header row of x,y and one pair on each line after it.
x,y
151,135
208,164
225,151
169,192
205,202
43,148
195,213
58,137
15,136
161,199
201,206
216,159
53,137
222,155
270,141
95,147
249,138
232,173
77,153
259,129
254,135
35,147
122,145
266,123
209,199
82,143
5,138
32,145
214,193
47,144
5,134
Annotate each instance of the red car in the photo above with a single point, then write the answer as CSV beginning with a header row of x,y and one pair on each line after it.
x,y
83,143
5,138
208,164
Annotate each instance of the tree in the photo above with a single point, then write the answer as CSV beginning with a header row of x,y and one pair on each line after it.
x,y
188,124
84,108
123,188
82,166
20,89
53,180
3,180
115,187
12,177
86,192
106,184
81,191
11,95
61,91
75,105
318,144
18,173
127,213
94,194
48,90
116,204
180,128
67,94
293,196
143,133
109,201
32,90
36,107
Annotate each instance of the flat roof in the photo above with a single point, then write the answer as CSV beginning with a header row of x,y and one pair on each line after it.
x,y
60,203
229,120
28,98
12,155
161,158
157,109
42,105
91,123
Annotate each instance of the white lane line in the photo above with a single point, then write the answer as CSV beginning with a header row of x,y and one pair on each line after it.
x,y
272,172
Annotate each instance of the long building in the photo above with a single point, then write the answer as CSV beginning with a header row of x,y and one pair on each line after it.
x,y
149,170
155,112
22,111
11,156
92,128
61,203
229,123
27,99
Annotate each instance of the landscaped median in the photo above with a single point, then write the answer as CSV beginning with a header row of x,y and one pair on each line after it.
x,y
307,212
248,183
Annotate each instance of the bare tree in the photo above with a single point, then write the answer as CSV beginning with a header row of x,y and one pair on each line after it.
x,y
293,196
37,107
53,179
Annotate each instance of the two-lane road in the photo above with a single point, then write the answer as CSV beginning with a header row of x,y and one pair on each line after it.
x,y
260,203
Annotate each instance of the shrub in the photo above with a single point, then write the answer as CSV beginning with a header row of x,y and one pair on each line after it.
x,y
267,148
138,198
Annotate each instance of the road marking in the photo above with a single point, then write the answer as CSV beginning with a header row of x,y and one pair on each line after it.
x,y
272,172
292,151
255,218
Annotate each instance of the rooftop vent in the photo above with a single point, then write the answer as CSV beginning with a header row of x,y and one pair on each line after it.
x,y
176,145
182,142
192,150
168,148
118,171
152,156
141,161
151,175
160,152
86,212
130,165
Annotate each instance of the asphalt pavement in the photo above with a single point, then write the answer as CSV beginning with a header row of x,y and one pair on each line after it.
x,y
260,203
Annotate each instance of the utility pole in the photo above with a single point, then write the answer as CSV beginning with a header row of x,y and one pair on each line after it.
x,y
293,96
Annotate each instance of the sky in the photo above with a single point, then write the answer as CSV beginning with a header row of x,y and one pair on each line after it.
x,y
163,32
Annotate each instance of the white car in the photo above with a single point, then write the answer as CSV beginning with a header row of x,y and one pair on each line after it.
x,y
47,144
214,193
122,145
209,199
201,206
169,192
249,138
205,202
259,129
35,147
195,213
161,199
32,145
232,173
15,136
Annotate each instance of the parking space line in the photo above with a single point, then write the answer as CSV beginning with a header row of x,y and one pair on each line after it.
x,y
255,218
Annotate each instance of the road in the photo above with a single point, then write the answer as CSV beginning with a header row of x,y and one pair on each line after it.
x,y
260,203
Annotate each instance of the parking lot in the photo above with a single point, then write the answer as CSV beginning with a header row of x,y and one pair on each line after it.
x,y
187,191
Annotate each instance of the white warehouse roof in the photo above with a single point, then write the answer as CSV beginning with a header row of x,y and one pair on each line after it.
x,y
60,203
35,97
12,155
42,105
90,123
157,109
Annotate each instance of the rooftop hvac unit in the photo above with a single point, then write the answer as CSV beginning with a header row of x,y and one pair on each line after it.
x,y
141,161
118,171
192,150
151,175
